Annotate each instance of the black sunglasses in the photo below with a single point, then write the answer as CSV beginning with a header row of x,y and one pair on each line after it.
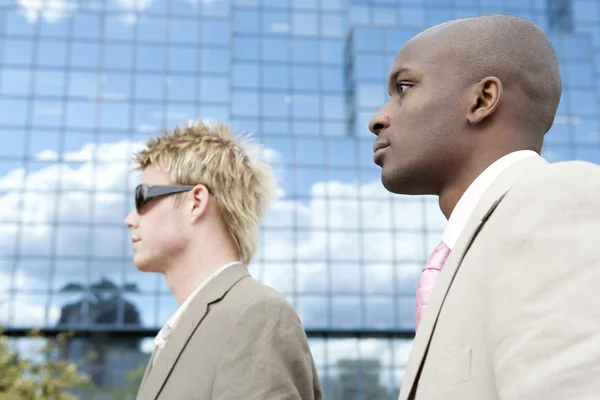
x,y
144,193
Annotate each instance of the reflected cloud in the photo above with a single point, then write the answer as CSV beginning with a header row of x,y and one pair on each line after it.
x,y
567,119
48,10
328,254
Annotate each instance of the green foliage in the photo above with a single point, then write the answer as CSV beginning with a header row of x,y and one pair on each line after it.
x,y
134,378
48,379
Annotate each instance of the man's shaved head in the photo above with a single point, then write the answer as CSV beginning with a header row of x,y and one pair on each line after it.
x,y
511,48
462,95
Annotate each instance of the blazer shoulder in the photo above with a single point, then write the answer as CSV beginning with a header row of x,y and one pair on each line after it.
x,y
249,292
552,189
563,180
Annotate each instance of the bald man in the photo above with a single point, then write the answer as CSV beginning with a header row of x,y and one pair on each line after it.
x,y
507,305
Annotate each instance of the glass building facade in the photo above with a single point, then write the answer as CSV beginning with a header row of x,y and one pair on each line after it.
x,y
82,83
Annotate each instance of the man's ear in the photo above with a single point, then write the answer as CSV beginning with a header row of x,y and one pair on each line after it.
x,y
485,97
200,198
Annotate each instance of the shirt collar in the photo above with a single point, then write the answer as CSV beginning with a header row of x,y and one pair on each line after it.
x,y
467,203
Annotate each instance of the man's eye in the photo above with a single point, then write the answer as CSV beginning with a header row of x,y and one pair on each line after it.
x,y
402,87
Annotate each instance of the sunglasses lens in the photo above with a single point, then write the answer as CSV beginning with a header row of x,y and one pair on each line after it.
x,y
140,198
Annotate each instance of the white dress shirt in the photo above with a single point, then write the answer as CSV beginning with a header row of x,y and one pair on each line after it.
x,y
163,335
467,203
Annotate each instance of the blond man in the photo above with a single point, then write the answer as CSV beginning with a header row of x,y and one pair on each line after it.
x,y
196,220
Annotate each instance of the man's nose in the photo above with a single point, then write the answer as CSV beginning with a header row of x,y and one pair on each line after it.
x,y
379,122
131,219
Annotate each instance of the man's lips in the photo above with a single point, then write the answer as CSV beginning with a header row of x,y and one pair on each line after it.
x,y
379,145
378,149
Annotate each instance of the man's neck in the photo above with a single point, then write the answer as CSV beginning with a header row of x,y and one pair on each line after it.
x,y
185,275
453,192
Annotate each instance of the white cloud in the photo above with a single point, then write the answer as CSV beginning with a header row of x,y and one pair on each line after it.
x,y
350,238
48,10
56,10
567,119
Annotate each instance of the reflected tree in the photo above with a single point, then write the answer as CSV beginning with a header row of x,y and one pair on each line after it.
x,y
358,380
38,378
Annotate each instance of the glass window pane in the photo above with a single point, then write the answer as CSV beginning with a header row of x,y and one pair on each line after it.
x,y
184,30
215,60
53,53
275,49
276,104
410,16
215,32
85,55
151,57
305,50
47,113
245,103
379,313
333,52
585,130
306,78
214,89
275,76
245,48
384,16
582,102
13,112
371,95
576,46
312,312
87,26
305,24
182,88
332,79
579,74
306,105
15,81
245,21
368,39
345,312
18,52
245,75
182,59
276,23
369,66
333,25
334,107
151,28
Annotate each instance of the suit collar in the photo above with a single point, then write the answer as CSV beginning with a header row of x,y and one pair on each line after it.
x,y
468,201
215,290
483,210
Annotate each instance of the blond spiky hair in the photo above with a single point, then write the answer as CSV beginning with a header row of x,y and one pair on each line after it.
x,y
206,153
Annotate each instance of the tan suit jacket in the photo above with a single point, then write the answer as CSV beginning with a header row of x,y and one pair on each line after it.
x,y
238,339
515,313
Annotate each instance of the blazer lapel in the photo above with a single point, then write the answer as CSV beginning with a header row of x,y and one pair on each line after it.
x,y
148,367
484,209
186,326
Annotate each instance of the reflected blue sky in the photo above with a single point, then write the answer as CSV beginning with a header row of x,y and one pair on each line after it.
x,y
81,81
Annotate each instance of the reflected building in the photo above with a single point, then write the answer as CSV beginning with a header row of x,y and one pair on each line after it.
x,y
83,83
102,356
360,379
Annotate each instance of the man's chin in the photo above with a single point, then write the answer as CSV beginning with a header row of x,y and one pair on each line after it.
x,y
401,183
390,182
144,265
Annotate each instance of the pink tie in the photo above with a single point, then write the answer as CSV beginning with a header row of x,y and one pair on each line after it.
x,y
430,273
